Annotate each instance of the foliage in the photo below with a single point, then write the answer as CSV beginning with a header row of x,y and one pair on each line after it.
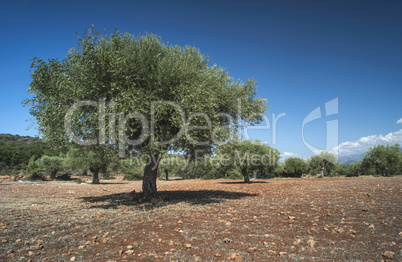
x,y
384,160
248,156
234,174
52,164
279,170
351,170
203,168
132,170
133,174
208,168
354,169
76,160
324,160
171,164
113,167
97,159
34,169
16,151
130,73
294,167
342,170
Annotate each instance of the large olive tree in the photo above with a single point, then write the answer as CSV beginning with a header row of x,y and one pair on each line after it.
x,y
138,93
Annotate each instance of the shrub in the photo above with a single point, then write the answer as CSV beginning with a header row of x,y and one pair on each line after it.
x,y
206,169
279,170
107,175
133,174
234,174
34,169
52,164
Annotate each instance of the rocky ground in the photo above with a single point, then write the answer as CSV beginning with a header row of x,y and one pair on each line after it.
x,y
329,219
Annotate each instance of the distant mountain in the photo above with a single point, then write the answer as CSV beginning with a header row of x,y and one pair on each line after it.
x,y
349,159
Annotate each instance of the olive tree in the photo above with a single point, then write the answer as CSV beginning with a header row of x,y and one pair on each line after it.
x,y
294,166
172,164
325,162
93,158
138,93
52,164
383,159
76,160
249,156
355,169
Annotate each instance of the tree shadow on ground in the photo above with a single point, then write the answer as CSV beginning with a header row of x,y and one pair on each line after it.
x,y
242,182
198,197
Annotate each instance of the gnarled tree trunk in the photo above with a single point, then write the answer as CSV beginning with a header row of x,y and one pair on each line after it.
x,y
246,176
167,174
95,177
149,180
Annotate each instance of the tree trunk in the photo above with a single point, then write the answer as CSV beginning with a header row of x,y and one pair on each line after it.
x,y
167,174
322,171
246,176
95,177
149,180
53,174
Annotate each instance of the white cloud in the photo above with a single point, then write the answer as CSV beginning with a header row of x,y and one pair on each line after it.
x,y
289,154
363,144
399,121
285,155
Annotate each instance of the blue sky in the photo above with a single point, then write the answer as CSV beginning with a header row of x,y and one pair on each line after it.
x,y
302,54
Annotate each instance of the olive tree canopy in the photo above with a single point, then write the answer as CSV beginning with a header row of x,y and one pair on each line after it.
x,y
384,159
294,166
138,93
325,163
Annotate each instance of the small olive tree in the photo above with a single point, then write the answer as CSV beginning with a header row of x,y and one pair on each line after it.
x,y
171,164
52,164
294,166
93,158
249,156
325,162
